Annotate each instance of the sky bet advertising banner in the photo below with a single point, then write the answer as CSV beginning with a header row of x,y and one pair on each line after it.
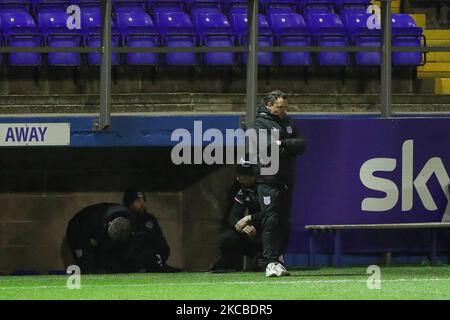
x,y
357,171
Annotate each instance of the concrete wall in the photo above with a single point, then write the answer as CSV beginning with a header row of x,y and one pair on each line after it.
x,y
143,79
41,189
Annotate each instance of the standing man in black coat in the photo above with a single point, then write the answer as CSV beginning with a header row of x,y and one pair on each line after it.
x,y
147,249
275,189
96,236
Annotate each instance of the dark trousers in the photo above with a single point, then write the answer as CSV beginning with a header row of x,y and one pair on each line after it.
x,y
275,202
235,245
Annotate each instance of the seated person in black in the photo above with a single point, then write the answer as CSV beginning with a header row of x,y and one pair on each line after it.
x,y
242,235
147,249
96,236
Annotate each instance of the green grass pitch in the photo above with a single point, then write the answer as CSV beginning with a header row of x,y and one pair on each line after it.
x,y
405,282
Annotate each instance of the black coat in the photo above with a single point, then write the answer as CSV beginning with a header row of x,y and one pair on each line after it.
x,y
292,145
91,223
246,198
146,248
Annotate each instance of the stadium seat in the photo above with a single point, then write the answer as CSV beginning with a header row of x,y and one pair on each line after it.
x,y
177,30
361,36
203,6
281,6
215,30
238,6
405,33
315,6
19,30
328,30
16,5
137,30
165,5
290,29
53,21
128,5
91,28
355,6
265,39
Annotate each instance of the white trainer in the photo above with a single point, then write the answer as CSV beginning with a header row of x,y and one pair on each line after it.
x,y
281,270
271,270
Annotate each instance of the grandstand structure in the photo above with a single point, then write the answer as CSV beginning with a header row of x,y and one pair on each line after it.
x,y
132,71
292,35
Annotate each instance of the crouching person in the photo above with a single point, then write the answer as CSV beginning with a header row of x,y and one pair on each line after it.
x,y
96,236
242,236
146,249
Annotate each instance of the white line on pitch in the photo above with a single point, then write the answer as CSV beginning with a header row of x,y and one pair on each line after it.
x,y
269,282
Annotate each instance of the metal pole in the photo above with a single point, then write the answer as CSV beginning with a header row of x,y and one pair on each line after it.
x,y
386,64
252,63
105,68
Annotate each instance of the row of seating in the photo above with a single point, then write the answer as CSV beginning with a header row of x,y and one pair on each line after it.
x,y
210,28
187,5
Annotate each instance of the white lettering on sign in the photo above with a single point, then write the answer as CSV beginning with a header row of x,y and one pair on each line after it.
x,y
433,167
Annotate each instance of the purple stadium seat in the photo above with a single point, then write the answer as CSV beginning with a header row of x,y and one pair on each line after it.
x,y
277,10
361,36
165,6
316,6
287,5
203,6
265,39
91,21
128,5
177,30
405,33
328,30
137,30
20,31
215,30
15,5
239,6
53,21
355,6
290,30
24,37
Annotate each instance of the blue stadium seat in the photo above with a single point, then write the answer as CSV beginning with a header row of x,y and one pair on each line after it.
x,y
91,28
19,30
203,6
137,30
328,30
165,6
290,29
277,10
405,33
24,37
53,21
315,6
128,5
215,30
239,22
281,6
361,36
237,6
16,5
354,6
177,30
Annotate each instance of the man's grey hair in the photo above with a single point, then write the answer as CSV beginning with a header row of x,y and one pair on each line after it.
x,y
273,96
119,229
